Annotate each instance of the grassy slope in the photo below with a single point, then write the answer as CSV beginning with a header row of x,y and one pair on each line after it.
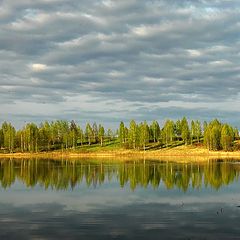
x,y
113,149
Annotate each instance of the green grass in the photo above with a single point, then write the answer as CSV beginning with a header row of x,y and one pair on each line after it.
x,y
114,145
107,146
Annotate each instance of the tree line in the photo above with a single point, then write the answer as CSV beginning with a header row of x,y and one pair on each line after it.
x,y
214,135
62,134
53,135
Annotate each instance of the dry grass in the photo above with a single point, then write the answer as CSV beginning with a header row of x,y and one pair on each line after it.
x,y
179,154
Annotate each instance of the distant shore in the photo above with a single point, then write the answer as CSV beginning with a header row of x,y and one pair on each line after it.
x,y
177,152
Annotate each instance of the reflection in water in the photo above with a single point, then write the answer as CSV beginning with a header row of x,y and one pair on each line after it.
x,y
62,175
86,211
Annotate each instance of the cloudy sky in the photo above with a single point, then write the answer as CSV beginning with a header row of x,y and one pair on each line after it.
x,y
114,60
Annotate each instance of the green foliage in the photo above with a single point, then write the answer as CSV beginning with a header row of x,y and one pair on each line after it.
x,y
8,135
215,138
144,134
178,129
31,135
80,136
227,137
132,134
185,130
73,134
121,133
111,135
168,132
195,131
101,133
155,131
236,133
219,136
45,135
212,135
198,130
94,133
62,134
1,138
89,133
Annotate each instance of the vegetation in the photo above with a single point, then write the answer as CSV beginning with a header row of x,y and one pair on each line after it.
x,y
62,135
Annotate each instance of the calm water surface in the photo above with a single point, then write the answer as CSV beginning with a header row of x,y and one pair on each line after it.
x,y
49,199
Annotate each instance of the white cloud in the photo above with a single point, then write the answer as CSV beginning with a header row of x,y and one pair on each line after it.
x,y
220,63
194,53
38,67
141,31
152,80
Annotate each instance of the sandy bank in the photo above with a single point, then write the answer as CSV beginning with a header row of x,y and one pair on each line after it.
x,y
179,153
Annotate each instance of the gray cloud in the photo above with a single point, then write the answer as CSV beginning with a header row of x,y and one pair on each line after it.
x,y
116,60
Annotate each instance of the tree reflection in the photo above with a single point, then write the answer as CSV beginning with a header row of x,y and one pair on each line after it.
x,y
63,175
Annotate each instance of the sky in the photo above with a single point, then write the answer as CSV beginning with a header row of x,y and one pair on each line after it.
x,y
113,60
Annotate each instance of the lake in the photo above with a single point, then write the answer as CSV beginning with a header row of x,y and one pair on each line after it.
x,y
94,199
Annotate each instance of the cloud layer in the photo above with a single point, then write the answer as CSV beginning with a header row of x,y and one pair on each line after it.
x,y
116,60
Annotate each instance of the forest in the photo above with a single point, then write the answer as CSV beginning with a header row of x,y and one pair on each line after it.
x,y
64,135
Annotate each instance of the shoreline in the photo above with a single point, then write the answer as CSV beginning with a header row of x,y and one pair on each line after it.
x,y
174,153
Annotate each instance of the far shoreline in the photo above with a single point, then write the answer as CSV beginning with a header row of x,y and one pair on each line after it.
x,y
183,152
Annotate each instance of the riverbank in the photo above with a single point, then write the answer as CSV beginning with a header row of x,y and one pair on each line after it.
x,y
176,152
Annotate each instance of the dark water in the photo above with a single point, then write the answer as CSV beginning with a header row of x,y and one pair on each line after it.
x,y
47,199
